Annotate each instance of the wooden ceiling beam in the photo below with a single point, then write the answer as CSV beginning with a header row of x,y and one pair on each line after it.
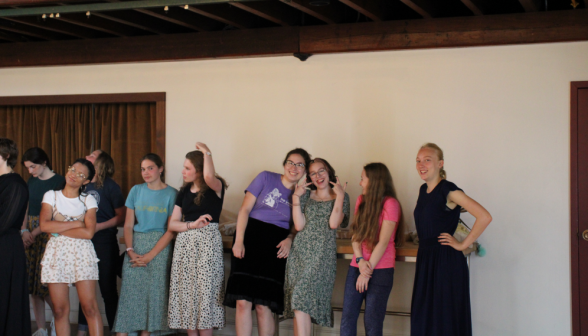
x,y
7,36
271,11
475,6
369,8
531,5
229,17
33,2
328,14
522,28
28,30
84,23
171,19
128,23
425,8
51,25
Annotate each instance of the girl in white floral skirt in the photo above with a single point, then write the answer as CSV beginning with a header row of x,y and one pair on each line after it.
x,y
69,215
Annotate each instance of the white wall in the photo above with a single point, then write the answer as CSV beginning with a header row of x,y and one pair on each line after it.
x,y
500,113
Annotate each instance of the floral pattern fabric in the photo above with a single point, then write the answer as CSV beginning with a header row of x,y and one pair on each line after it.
x,y
312,264
69,260
35,253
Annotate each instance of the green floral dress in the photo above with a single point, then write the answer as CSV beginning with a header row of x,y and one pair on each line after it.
x,y
312,264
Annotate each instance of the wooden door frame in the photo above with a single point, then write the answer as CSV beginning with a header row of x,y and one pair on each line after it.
x,y
110,98
574,213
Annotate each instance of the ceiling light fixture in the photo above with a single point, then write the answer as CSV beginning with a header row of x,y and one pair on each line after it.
x,y
88,14
186,7
166,9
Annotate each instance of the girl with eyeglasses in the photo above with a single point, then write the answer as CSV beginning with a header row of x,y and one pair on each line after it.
x,y
261,245
14,294
312,264
441,291
197,278
143,301
69,215
377,229
41,181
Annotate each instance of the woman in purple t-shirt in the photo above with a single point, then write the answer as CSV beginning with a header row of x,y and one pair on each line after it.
x,y
261,245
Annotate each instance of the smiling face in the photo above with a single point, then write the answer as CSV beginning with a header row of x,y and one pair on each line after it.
x,y
150,172
77,176
92,157
34,169
363,182
428,164
294,168
189,173
318,175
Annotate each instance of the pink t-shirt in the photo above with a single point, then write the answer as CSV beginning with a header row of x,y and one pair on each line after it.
x,y
391,212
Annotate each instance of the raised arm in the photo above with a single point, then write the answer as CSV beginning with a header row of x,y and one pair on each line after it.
x,y
483,219
338,214
209,174
50,226
297,215
242,219
89,228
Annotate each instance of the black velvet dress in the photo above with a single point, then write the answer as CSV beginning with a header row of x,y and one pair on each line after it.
x,y
441,293
15,316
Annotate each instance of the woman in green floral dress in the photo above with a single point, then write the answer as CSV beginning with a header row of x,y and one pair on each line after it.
x,y
312,264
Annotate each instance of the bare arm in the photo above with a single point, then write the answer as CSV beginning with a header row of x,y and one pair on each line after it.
x,y
242,219
25,222
89,228
297,215
128,228
118,219
50,226
337,215
176,224
208,172
483,219
386,231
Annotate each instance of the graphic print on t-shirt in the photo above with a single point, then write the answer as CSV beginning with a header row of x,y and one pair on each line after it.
x,y
96,196
273,198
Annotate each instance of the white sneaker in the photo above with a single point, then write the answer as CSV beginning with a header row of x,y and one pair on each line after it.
x,y
52,327
40,332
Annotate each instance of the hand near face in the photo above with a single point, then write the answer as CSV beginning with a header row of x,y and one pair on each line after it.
x,y
338,189
301,189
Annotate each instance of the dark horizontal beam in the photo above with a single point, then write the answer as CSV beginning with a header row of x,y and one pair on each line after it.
x,y
101,7
110,98
538,27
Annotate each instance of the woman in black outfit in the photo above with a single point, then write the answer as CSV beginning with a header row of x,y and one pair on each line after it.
x,y
15,316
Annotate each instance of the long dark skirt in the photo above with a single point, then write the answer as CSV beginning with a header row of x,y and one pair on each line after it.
x,y
15,318
441,292
259,276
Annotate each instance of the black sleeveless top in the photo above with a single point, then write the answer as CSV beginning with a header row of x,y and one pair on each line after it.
x,y
432,216
210,204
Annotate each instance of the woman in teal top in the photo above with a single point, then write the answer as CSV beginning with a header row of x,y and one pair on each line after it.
x,y
143,302
42,180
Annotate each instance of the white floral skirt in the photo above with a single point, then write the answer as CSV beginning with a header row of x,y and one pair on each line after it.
x,y
69,260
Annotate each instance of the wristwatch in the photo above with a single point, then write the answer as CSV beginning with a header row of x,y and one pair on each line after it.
x,y
23,231
358,259
209,153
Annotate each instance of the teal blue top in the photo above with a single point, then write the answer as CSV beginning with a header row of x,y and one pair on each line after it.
x,y
152,207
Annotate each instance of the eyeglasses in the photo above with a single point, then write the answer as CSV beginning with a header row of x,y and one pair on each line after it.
x,y
73,171
320,172
292,164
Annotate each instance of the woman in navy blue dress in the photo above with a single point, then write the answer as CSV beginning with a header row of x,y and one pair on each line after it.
x,y
441,293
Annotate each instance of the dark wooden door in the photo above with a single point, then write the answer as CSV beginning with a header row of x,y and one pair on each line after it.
x,y
579,203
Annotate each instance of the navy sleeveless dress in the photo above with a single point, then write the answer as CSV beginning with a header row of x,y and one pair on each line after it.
x,y
441,293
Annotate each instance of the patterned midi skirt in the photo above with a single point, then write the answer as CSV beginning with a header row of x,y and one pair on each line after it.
x,y
69,260
197,280
34,255
144,294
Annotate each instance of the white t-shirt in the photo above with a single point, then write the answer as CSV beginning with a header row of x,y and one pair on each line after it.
x,y
69,209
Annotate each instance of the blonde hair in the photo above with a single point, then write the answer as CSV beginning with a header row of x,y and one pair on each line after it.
x,y
439,151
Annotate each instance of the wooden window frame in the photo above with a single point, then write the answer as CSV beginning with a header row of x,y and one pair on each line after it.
x,y
158,98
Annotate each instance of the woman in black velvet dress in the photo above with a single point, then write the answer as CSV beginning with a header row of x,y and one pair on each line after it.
x,y
15,316
441,292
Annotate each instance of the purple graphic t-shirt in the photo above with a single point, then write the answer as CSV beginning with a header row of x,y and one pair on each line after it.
x,y
274,201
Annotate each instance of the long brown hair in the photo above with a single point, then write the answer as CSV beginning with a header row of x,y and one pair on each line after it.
x,y
197,160
104,165
366,223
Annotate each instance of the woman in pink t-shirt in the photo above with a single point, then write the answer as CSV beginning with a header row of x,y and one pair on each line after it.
x,y
377,230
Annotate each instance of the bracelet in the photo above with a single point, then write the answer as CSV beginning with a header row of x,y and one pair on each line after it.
x,y
130,249
23,231
187,226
